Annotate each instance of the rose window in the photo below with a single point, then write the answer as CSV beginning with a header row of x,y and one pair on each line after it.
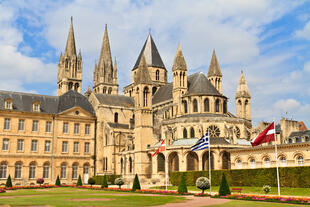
x,y
214,131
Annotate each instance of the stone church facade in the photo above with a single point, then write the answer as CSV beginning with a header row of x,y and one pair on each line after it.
x,y
103,132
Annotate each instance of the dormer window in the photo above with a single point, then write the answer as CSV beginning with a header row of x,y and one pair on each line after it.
x,y
8,104
36,106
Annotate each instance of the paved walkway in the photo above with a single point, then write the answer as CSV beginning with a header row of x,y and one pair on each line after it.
x,y
194,201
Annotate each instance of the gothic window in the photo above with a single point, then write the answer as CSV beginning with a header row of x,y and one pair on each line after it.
x,y
192,133
154,89
18,170
205,161
104,90
76,87
63,170
282,161
237,132
74,171
3,169
70,86
145,94
300,160
192,161
32,170
214,131
226,160
239,106
184,133
298,139
290,141
157,74
130,165
225,107
195,106
252,162
217,105
185,106
116,117
110,91
206,105
174,162
46,169
160,163
122,165
245,107
183,79
180,79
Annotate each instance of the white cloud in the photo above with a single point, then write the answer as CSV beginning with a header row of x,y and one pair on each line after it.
x,y
286,105
305,32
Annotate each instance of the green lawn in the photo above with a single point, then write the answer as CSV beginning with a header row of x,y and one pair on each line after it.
x,y
256,190
253,204
65,197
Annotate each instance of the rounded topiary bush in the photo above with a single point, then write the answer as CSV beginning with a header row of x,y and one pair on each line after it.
x,y
91,181
119,182
40,181
203,183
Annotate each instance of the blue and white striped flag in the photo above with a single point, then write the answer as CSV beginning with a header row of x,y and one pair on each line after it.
x,y
202,143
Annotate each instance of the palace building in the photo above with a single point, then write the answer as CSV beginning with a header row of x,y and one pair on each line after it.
x,y
104,132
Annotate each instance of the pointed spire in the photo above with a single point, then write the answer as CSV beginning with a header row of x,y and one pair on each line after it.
x,y
80,54
151,54
179,60
242,90
105,60
87,92
214,68
115,69
143,76
70,46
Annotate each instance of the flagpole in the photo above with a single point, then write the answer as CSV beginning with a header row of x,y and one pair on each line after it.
x,y
166,164
277,164
209,160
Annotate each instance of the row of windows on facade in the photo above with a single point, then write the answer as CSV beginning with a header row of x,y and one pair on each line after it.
x,y
206,105
48,126
213,130
299,139
47,146
46,170
8,104
104,90
266,162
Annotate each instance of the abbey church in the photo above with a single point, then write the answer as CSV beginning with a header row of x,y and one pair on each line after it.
x,y
103,132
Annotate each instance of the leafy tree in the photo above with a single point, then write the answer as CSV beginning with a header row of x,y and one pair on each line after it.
x,y
224,187
119,182
203,183
104,182
79,182
136,184
91,181
8,182
182,185
40,181
58,181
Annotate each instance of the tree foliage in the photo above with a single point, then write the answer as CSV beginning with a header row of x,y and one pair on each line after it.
x,y
8,183
182,186
224,187
136,184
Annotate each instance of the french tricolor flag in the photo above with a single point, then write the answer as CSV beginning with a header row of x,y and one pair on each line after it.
x,y
267,135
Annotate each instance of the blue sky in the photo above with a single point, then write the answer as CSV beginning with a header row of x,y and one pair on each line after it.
x,y
268,40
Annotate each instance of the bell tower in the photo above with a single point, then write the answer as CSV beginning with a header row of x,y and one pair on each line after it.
x,y
215,74
243,99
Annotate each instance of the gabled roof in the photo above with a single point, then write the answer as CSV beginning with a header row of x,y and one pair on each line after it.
x,y
115,100
164,93
151,54
48,104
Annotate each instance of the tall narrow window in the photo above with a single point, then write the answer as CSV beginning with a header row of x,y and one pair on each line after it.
x,y
75,147
252,163
18,170
206,105
217,105
46,169
34,145
48,126
21,125
184,133
185,106
116,117
3,169
65,128
130,165
110,91
192,133
87,128
63,171
195,106
145,96
76,128
7,123
225,107
32,170
5,144
47,146
86,147
20,145
300,160
64,146
157,75
74,171
35,125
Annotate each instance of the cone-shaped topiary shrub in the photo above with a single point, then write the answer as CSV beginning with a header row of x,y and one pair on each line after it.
x,y
58,181
182,185
8,182
224,187
104,182
79,182
136,184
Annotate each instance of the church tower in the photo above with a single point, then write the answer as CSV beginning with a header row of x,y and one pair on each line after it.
x,y
179,70
243,99
215,74
105,74
69,67
143,118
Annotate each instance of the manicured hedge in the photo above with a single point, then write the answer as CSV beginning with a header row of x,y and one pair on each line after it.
x,y
110,178
298,177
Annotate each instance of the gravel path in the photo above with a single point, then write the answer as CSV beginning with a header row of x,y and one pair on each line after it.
x,y
194,201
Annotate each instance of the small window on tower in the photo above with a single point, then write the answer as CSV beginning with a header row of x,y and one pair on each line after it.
x,y
8,104
36,106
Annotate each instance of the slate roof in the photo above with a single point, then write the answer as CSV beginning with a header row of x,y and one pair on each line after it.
x,y
300,133
117,125
115,100
198,84
48,104
151,54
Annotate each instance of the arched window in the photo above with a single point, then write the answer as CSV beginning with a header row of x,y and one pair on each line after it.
x,y
130,165
290,141
246,103
104,90
63,171
184,133
206,105
239,164
185,106
76,86
192,133
195,106
192,161
116,117
267,162
300,160
180,79
110,91
160,163
46,169
252,161
18,170
3,169
74,171
225,107
298,139
122,165
32,170
283,161
70,86
217,105
154,89
85,169
157,75
145,96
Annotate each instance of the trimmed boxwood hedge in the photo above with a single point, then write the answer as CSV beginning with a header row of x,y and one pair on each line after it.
x,y
298,177
110,178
